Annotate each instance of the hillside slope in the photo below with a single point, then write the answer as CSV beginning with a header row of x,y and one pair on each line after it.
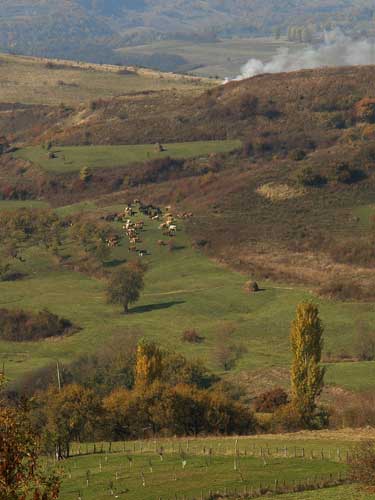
x,y
301,189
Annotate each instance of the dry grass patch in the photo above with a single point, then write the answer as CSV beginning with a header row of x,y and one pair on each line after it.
x,y
279,192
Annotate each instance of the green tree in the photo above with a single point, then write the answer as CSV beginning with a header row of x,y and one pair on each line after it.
x,y
125,287
307,376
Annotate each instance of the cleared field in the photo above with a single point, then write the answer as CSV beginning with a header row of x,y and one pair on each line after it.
x,y
71,159
34,81
223,58
184,290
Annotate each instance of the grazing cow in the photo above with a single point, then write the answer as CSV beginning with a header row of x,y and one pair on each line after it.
x,y
163,225
162,243
113,241
172,227
132,233
132,248
128,212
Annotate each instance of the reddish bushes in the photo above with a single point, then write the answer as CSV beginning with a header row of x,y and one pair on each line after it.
x,y
365,110
20,326
271,400
192,337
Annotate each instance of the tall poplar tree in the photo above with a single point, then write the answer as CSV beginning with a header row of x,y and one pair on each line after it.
x,y
307,376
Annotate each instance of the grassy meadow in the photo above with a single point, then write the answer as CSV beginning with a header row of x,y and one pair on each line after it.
x,y
73,158
150,478
137,470
191,468
184,290
31,81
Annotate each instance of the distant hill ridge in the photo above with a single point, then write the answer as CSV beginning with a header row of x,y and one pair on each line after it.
x,y
91,29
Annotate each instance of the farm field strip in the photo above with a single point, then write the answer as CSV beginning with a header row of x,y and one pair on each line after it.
x,y
73,158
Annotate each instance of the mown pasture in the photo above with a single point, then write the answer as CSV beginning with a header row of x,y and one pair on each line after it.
x,y
184,290
73,158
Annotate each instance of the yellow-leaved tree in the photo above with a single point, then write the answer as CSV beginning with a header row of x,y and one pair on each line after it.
x,y
307,375
149,363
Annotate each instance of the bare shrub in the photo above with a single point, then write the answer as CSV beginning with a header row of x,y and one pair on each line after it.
x,y
341,289
365,343
353,410
192,337
362,464
269,401
227,351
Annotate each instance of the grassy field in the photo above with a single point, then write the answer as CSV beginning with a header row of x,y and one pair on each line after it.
x,y
71,159
183,290
223,58
29,80
16,204
150,478
136,470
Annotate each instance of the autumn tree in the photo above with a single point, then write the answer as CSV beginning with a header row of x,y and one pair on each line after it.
x,y
125,287
116,407
149,363
85,174
20,471
307,376
70,414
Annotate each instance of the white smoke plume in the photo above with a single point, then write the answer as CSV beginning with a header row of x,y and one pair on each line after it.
x,y
337,50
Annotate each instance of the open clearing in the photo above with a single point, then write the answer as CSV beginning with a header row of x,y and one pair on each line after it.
x,y
184,290
71,159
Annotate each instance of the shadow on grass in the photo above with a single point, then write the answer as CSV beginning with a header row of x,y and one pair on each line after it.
x,y
156,307
114,262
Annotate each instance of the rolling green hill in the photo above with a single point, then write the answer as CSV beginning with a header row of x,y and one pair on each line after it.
x,y
279,173
184,290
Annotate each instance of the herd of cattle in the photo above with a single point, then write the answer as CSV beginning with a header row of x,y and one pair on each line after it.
x,y
133,228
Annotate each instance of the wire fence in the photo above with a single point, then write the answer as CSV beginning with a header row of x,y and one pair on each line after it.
x,y
220,448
